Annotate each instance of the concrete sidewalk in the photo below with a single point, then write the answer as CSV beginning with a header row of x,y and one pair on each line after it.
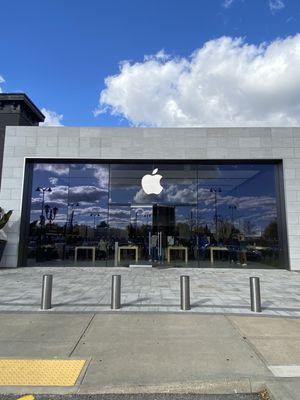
x,y
154,352
87,290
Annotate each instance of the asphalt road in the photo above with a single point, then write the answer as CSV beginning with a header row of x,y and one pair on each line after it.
x,y
139,397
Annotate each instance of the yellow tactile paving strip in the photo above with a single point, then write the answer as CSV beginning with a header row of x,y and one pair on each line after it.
x,y
40,372
27,397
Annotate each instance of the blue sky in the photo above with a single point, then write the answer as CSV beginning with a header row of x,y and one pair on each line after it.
x,y
61,51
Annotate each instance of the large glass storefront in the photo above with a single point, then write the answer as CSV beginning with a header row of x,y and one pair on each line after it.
x,y
161,214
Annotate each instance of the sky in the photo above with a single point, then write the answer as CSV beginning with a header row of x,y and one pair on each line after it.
x,y
154,62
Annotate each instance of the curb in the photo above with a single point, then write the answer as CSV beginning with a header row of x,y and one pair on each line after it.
x,y
217,386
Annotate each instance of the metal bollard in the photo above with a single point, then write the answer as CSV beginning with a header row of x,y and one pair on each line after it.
x,y
255,294
185,303
116,292
46,292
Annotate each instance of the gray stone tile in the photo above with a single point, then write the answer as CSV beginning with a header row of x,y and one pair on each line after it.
x,y
87,289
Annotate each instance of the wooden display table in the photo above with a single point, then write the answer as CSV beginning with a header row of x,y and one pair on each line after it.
x,y
180,248
216,248
135,248
93,248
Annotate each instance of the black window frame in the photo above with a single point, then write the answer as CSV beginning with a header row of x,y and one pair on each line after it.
x,y
27,190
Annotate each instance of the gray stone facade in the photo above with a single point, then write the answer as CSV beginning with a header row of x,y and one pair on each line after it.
x,y
154,144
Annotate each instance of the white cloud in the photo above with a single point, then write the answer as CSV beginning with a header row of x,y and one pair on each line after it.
x,y
53,180
58,169
227,3
225,82
52,118
276,5
86,194
101,173
1,81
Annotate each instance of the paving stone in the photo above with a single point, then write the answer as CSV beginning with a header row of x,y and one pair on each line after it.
x,y
87,289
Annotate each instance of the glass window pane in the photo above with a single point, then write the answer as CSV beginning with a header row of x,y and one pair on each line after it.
x,y
237,208
218,214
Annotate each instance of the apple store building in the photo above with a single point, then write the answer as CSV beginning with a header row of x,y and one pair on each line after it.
x,y
209,197
182,197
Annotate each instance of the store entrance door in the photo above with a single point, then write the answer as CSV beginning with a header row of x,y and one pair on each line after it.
x,y
164,228
152,230
155,235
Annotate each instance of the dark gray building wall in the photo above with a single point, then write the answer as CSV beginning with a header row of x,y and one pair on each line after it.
x,y
16,109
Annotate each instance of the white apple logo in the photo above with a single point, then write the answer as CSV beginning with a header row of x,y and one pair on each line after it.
x,y
151,183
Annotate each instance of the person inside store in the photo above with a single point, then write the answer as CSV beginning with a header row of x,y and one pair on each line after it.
x,y
102,247
242,252
153,248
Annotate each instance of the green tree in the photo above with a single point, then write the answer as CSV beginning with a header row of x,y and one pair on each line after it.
x,y
271,232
